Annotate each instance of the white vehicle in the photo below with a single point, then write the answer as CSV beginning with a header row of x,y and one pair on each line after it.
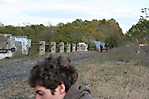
x,y
5,53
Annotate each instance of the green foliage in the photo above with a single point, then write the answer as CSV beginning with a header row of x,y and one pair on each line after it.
x,y
76,31
80,30
91,46
140,32
111,41
33,31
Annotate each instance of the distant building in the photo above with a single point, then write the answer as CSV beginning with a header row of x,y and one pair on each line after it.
x,y
23,44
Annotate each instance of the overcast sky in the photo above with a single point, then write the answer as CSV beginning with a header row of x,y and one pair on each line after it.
x,y
19,12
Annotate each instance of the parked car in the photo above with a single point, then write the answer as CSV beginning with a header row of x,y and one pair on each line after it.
x,y
5,53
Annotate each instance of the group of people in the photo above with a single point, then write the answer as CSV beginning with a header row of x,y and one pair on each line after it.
x,y
55,78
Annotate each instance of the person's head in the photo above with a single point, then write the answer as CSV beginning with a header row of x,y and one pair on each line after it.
x,y
52,77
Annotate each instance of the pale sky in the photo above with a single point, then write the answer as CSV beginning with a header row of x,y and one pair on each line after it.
x,y
19,12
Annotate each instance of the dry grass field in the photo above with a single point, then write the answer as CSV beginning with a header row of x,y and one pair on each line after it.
x,y
119,74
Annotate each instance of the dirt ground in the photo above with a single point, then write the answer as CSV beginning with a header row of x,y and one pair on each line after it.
x,y
121,73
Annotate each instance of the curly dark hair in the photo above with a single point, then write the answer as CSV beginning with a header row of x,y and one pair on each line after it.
x,y
53,71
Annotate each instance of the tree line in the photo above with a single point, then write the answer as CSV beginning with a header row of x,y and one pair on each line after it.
x,y
139,32
104,30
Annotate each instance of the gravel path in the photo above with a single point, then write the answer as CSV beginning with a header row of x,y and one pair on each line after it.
x,y
15,69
